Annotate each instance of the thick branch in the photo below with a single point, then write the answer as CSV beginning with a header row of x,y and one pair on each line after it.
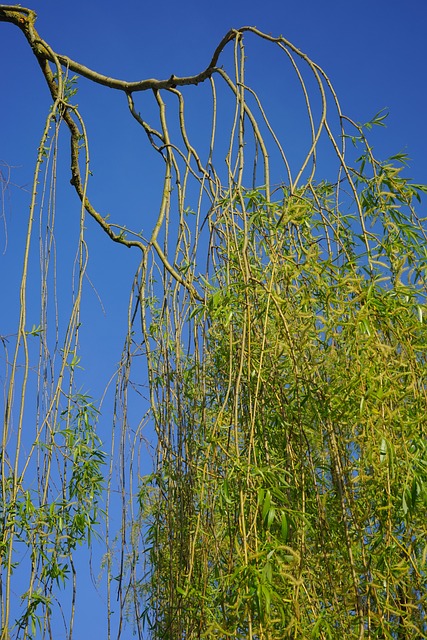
x,y
25,19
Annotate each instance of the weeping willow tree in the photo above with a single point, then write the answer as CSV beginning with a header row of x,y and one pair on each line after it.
x,y
279,308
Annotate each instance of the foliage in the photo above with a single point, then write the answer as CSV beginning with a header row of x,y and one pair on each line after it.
x,y
49,527
295,505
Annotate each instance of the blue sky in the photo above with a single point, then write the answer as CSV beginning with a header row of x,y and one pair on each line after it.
x,y
375,53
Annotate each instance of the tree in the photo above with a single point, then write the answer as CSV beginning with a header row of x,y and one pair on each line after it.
x,y
281,318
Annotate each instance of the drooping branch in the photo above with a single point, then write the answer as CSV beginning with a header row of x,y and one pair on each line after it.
x,y
25,19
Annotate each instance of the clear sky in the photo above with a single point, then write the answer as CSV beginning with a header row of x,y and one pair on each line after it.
x,y
374,51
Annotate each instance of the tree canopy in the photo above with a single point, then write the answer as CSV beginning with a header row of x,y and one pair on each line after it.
x,y
279,313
